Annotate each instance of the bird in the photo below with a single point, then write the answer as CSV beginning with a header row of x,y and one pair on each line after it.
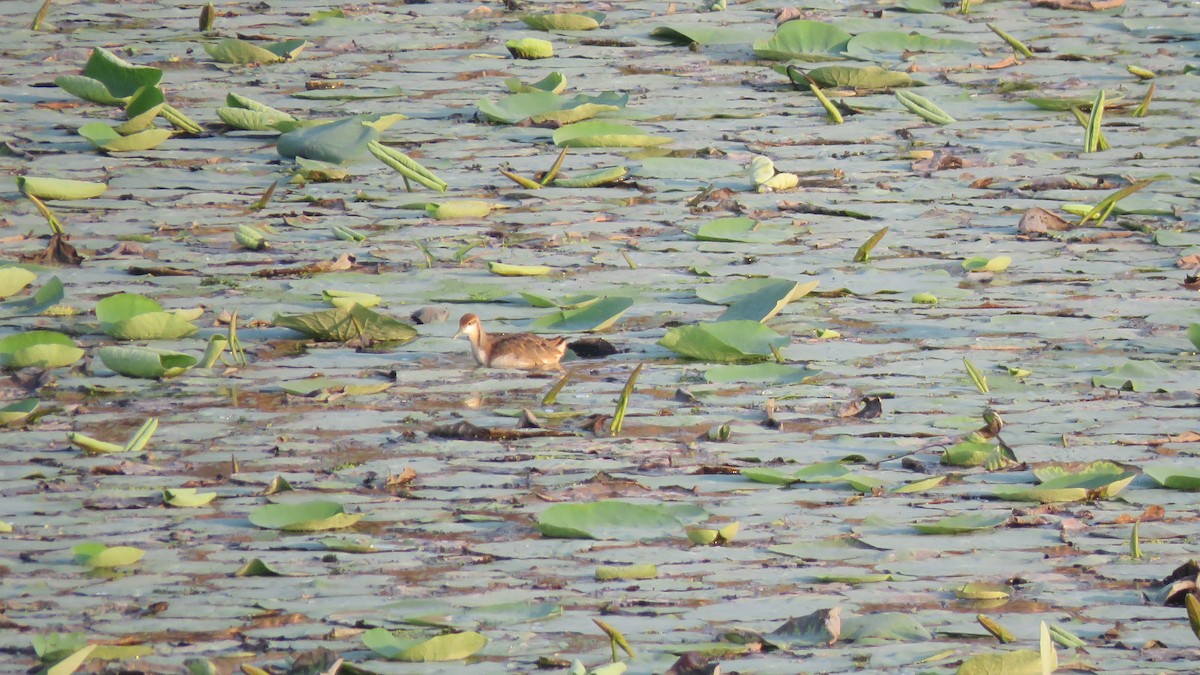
x,y
522,351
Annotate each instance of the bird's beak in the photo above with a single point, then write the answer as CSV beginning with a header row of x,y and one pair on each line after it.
x,y
460,332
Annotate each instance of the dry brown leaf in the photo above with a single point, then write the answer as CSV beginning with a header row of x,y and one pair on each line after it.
x,y
1040,221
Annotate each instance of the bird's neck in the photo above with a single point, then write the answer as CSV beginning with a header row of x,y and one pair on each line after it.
x,y
481,346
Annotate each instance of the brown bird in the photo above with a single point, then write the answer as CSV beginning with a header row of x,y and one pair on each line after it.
x,y
523,351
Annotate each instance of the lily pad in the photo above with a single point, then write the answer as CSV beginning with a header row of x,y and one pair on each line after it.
x,y
450,647
588,318
603,134
106,138
821,472
804,40
554,83
1138,375
1175,477
95,554
773,373
234,50
130,316
334,142
868,45
767,301
577,21
38,348
17,410
311,386
59,188
724,341
109,80
14,279
310,516
851,77
345,298
530,48
704,35
186,497
742,230
614,519
961,524
145,362
541,107
342,324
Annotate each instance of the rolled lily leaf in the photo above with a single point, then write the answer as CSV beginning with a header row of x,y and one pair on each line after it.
x,y
588,318
804,40
245,113
344,298
602,134
106,138
59,188
342,324
109,80
145,362
130,316
88,89
579,21
38,348
233,50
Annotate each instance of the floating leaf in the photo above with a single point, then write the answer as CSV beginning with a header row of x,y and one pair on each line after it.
x,y
859,79
95,554
38,348
450,647
342,324
1175,477
578,21
530,48
724,341
130,316
968,522
766,302
541,107
17,410
1018,662
613,519
1137,375
741,230
344,298
589,179
983,591
317,386
304,516
773,373
868,45
589,318
804,40
554,83
106,138
14,279
506,270
603,134
705,34
186,497
72,662
334,142
59,188
233,50
627,572
145,362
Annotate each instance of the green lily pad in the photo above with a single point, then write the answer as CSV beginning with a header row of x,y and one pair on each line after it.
x,y
920,485
589,179
724,341
554,83
241,112
310,516
742,230
603,134
983,591
450,647
59,188
38,348
233,50
342,324
767,301
614,519
1137,375
578,21
805,41
17,410
130,316
589,318
821,472
106,138
850,77
868,45
334,142
95,554
530,48
981,264
344,545
1016,662
705,35
52,647
772,373
961,524
541,107
14,279
311,386
145,362
345,298
186,497
109,80
969,453
1175,477
1193,334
